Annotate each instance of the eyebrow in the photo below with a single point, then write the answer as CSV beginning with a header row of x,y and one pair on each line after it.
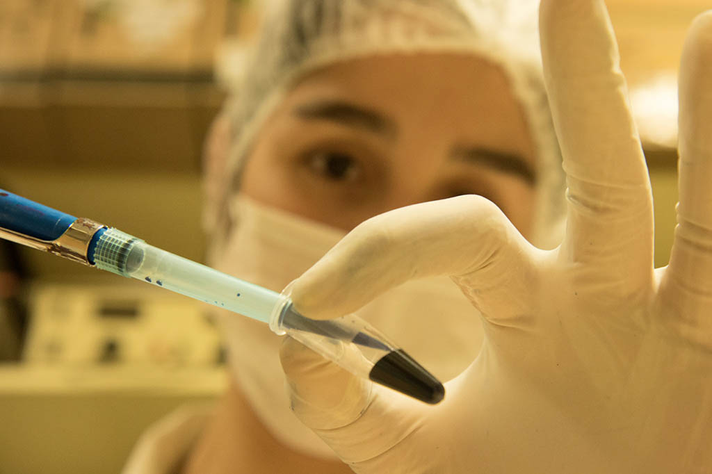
x,y
511,163
350,115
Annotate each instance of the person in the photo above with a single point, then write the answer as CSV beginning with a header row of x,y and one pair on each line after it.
x,y
349,109
592,361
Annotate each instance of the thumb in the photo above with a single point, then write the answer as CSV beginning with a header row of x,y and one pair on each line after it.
x,y
359,420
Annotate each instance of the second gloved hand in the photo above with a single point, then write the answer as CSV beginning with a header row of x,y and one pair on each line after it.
x,y
592,361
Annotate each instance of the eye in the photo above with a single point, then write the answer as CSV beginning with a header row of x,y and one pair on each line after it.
x,y
334,166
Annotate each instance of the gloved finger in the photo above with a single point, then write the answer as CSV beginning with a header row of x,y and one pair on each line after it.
x,y
689,274
357,419
610,220
323,395
466,237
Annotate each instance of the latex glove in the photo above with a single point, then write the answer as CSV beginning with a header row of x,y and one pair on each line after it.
x,y
592,362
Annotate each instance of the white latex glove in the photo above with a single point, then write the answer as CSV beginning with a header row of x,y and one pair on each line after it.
x,y
593,362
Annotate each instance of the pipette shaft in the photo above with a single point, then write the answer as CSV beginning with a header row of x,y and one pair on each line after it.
x,y
348,341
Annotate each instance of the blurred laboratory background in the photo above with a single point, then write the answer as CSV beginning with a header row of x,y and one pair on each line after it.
x,y
104,108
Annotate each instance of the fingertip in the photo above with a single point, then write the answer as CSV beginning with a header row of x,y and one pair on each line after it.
x,y
703,22
698,42
308,293
695,85
577,40
306,369
322,394
699,35
296,357
313,292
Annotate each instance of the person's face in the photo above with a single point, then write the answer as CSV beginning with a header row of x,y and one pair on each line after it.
x,y
362,137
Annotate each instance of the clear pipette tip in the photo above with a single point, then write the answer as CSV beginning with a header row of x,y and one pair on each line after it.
x,y
360,348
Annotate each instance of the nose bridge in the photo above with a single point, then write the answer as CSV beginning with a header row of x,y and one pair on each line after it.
x,y
415,175
402,196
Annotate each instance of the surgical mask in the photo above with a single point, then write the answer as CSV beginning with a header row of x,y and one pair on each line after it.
x,y
430,318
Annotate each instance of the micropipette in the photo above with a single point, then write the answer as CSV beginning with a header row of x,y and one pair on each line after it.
x,y
348,341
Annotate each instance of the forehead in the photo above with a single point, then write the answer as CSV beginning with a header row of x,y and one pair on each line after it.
x,y
460,95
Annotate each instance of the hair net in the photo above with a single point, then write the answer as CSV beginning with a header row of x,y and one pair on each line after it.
x,y
299,36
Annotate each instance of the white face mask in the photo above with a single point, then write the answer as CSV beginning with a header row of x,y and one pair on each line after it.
x,y
430,318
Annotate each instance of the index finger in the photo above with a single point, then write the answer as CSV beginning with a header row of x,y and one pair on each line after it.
x,y
465,237
610,221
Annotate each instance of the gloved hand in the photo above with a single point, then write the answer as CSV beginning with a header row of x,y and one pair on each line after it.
x,y
593,362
